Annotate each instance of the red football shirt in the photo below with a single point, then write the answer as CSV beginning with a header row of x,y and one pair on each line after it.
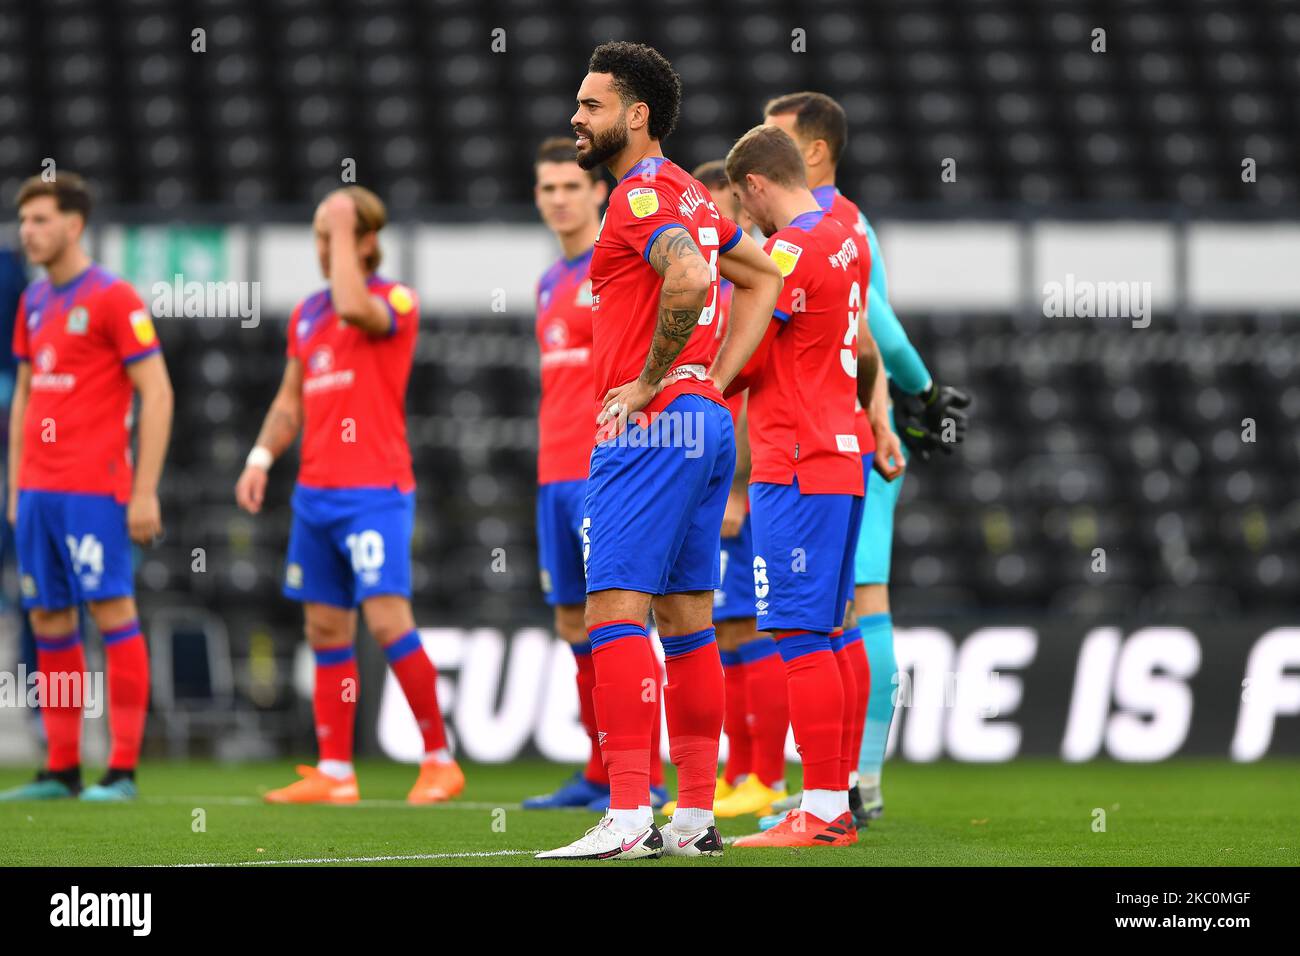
x,y
79,338
564,421
801,405
735,403
354,392
654,196
844,211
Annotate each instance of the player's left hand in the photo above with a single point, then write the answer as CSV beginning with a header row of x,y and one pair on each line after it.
x,y
623,401
888,461
144,518
341,212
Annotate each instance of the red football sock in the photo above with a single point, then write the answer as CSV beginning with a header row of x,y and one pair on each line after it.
x,y
127,660
594,772
769,708
695,700
816,706
419,679
736,722
857,652
61,661
334,701
848,756
656,729
626,699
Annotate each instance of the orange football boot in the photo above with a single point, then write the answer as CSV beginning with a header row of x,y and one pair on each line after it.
x,y
439,780
316,787
800,828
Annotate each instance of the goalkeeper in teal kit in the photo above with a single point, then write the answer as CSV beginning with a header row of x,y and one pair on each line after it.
x,y
926,417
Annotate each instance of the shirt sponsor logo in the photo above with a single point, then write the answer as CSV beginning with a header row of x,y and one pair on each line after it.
x,y
78,321
565,357
321,360
643,201
46,358
329,382
785,255
45,379
556,335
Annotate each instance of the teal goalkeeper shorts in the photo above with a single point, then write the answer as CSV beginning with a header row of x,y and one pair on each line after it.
x,y
876,539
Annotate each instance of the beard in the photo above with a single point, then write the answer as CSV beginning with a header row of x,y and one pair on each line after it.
x,y
603,146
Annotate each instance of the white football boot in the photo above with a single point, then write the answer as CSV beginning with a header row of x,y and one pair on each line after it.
x,y
703,842
604,842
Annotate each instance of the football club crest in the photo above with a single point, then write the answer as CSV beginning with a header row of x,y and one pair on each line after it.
x,y
78,321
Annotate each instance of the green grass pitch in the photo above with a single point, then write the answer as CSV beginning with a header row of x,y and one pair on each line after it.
x,y
1029,813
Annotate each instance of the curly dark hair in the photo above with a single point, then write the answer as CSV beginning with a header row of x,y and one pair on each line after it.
x,y
642,75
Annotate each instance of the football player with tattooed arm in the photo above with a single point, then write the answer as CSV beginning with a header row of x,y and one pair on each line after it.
x,y
664,451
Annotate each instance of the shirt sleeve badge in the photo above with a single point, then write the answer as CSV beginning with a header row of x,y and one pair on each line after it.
x,y
643,201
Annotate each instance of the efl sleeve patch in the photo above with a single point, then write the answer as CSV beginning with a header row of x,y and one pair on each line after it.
x,y
786,256
142,326
643,201
400,298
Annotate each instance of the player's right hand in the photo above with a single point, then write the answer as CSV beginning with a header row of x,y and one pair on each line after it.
x,y
250,489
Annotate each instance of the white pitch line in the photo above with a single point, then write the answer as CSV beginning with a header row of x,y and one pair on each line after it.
x,y
361,859
360,804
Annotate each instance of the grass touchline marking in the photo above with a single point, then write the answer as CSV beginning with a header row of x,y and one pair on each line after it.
x,y
360,859
360,804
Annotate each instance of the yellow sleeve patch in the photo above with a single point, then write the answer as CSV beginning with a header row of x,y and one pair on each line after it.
x,y
142,326
643,201
400,298
785,255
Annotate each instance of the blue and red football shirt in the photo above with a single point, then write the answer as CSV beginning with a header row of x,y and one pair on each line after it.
x,y
79,338
801,407
354,392
844,211
567,411
654,196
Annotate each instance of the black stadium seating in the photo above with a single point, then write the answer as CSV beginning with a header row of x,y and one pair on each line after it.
x,y
414,92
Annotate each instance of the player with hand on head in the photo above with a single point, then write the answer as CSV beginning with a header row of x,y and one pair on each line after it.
x,y
818,125
86,346
569,199
344,386
665,452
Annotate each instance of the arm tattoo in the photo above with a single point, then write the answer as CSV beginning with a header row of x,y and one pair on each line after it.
x,y
677,258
